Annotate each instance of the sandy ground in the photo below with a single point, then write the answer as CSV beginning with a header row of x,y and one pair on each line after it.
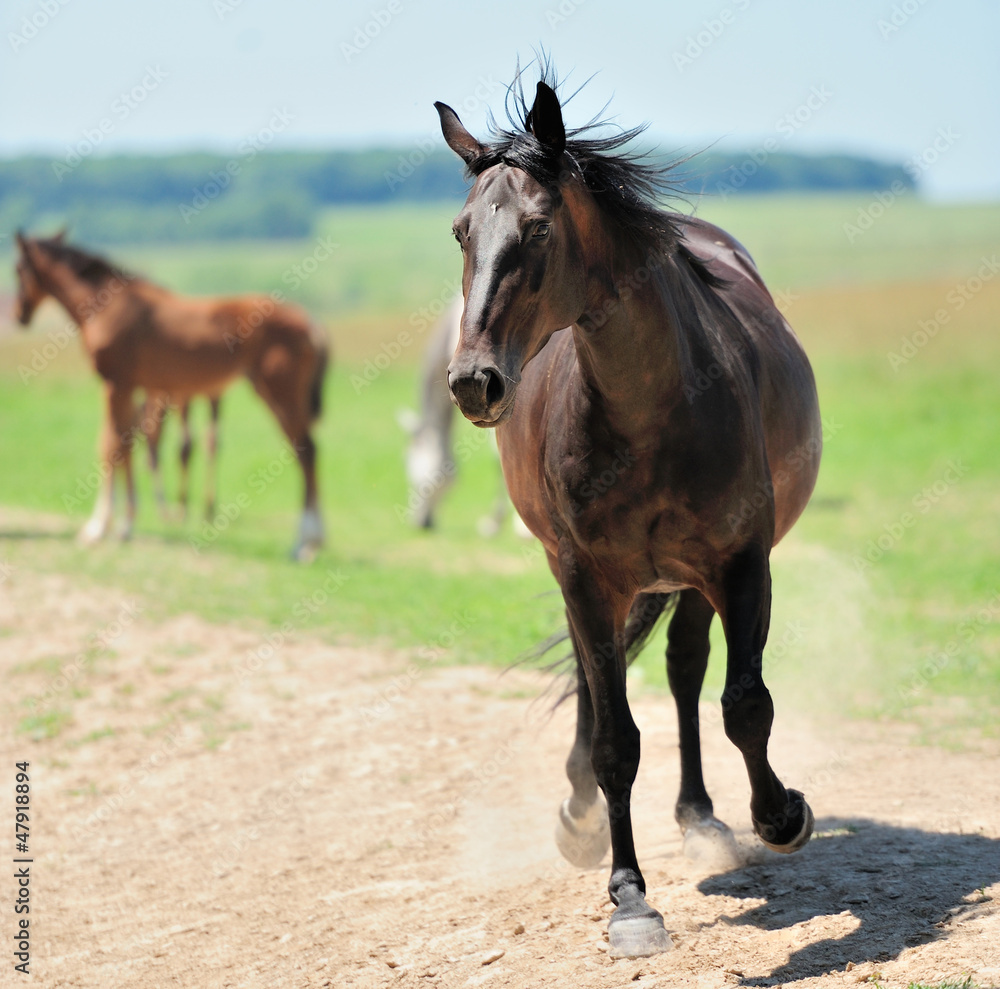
x,y
211,810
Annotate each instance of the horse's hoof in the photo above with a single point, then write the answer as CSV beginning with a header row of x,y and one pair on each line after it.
x,y
584,841
305,553
711,842
804,833
638,937
91,534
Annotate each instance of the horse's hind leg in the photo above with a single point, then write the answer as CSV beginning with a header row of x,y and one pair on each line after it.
x,y
781,818
187,447
212,448
285,393
582,833
153,413
687,659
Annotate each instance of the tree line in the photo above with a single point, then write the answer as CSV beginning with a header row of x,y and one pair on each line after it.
x,y
260,194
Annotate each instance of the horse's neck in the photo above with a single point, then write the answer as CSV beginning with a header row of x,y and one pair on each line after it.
x,y
632,355
74,294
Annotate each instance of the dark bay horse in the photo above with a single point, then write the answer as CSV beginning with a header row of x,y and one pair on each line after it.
x,y
659,431
139,335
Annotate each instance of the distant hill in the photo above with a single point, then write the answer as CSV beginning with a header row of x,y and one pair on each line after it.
x,y
277,195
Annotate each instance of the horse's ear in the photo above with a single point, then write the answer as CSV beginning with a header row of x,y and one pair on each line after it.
x,y
61,236
21,241
545,120
456,136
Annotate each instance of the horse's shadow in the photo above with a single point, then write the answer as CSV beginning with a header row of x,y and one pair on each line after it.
x,y
904,886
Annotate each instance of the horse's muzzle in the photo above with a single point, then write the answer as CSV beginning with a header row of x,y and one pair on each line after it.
x,y
480,394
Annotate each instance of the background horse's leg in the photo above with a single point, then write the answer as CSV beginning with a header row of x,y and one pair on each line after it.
x,y
582,833
99,523
781,818
635,928
187,446
687,659
212,446
116,451
287,396
153,413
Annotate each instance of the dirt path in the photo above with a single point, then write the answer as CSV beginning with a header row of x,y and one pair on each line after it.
x,y
213,811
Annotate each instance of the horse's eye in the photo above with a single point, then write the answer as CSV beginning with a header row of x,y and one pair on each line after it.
x,y
541,230
458,237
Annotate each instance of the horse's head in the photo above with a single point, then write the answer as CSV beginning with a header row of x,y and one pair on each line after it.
x,y
524,265
30,291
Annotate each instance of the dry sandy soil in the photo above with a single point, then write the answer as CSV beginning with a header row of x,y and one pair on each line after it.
x,y
210,815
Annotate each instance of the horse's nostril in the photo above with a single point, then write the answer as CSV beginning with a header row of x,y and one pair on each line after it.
x,y
494,386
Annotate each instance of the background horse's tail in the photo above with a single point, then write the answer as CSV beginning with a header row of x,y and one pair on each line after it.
x,y
645,615
316,385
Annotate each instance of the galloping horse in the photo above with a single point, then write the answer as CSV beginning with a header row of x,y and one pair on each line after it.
x,y
139,335
658,446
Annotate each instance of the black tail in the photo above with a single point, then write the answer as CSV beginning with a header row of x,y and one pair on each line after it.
x,y
316,386
646,613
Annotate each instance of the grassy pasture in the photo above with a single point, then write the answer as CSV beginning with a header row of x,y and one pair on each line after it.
x,y
886,594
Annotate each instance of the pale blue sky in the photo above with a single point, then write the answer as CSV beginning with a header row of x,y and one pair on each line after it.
x,y
228,64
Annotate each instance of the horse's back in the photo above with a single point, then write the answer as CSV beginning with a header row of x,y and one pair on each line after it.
x,y
788,400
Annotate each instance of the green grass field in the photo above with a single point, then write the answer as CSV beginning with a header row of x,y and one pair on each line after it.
x,y
886,594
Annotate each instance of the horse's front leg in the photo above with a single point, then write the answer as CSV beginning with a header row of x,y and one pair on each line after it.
x,y
109,448
582,833
635,929
781,818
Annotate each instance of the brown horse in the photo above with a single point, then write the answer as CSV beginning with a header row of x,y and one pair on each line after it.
x,y
154,412
659,432
139,335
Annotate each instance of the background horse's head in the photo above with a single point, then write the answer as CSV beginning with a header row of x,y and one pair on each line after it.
x,y
30,290
524,263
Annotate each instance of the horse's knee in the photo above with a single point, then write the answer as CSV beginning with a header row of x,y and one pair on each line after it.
x,y
615,759
747,713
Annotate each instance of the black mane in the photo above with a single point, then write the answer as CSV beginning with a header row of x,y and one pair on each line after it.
x,y
92,268
628,185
